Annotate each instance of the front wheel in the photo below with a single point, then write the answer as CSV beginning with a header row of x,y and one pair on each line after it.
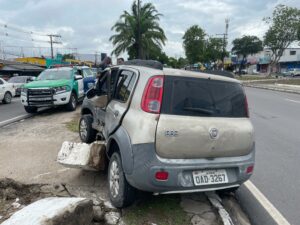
x,y
121,193
86,132
30,109
7,98
72,104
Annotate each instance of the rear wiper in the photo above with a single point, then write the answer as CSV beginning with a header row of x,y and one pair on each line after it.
x,y
202,110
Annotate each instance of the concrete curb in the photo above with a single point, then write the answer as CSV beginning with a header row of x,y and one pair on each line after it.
x,y
272,88
15,119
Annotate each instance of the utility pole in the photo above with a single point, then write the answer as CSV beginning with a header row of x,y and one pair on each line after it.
x,y
225,38
96,58
139,31
51,36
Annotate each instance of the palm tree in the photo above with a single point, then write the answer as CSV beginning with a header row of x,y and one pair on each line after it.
x,y
138,32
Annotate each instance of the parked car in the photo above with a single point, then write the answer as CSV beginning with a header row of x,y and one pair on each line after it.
x,y
6,91
56,87
292,72
18,81
169,131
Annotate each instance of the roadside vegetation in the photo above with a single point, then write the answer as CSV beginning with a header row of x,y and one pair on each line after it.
x,y
72,125
162,210
252,77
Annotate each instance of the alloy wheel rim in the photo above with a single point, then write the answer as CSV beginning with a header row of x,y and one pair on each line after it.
x,y
73,102
7,98
83,129
114,179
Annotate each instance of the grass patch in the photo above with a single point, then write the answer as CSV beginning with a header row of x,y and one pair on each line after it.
x,y
160,210
72,125
252,77
294,81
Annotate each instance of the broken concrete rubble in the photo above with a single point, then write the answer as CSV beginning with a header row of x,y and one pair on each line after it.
x,y
83,156
112,218
54,211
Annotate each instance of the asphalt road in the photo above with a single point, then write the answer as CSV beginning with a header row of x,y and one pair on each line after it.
x,y
12,110
276,119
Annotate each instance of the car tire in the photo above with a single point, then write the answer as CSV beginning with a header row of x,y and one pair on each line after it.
x,y
72,104
30,109
86,132
121,193
7,98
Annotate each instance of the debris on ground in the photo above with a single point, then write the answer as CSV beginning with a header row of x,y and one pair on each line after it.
x,y
12,192
54,211
83,156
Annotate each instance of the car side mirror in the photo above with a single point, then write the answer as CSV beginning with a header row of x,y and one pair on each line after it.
x,y
78,77
91,93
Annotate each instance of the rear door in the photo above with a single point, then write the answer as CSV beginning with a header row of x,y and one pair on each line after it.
x,y
203,118
117,107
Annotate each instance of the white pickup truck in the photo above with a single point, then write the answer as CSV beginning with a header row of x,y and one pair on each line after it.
x,y
7,91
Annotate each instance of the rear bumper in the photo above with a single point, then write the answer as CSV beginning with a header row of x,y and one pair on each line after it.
x,y
180,180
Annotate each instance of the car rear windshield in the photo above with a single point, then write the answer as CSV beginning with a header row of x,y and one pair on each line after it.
x,y
203,97
17,80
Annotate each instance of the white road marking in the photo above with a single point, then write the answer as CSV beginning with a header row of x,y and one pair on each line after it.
x,y
291,100
15,118
269,207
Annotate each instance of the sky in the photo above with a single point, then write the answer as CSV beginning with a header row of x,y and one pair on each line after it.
x,y
86,24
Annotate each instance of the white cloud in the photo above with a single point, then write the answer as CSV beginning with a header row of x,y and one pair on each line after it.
x,y
86,25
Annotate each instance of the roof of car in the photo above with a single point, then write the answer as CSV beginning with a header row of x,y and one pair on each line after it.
x,y
187,73
61,68
181,72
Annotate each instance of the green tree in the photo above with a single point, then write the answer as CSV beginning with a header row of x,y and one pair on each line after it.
x,y
214,49
284,29
138,32
194,44
245,46
68,56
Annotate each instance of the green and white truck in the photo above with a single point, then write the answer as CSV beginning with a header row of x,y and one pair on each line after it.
x,y
56,87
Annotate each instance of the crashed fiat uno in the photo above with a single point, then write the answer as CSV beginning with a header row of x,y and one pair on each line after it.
x,y
169,131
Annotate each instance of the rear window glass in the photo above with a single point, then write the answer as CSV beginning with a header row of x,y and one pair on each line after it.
x,y
17,80
203,97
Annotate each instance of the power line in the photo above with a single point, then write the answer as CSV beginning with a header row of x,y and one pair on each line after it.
x,y
18,29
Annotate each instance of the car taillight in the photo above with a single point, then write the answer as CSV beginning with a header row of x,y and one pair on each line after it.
x,y
152,96
250,169
161,175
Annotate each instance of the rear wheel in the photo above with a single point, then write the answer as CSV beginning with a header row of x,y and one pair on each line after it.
x,y
7,98
30,109
121,193
72,104
86,132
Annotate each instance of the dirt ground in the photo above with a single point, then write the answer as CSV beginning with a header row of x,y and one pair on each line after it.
x,y
28,151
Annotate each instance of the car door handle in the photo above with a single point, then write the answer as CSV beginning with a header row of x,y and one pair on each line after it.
x,y
116,113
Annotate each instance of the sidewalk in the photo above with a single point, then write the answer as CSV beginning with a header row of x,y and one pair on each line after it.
x,y
274,87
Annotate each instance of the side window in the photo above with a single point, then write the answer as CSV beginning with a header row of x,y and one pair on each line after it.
x,y
1,82
124,86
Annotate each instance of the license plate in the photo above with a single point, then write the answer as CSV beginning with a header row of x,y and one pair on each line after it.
x,y
207,177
